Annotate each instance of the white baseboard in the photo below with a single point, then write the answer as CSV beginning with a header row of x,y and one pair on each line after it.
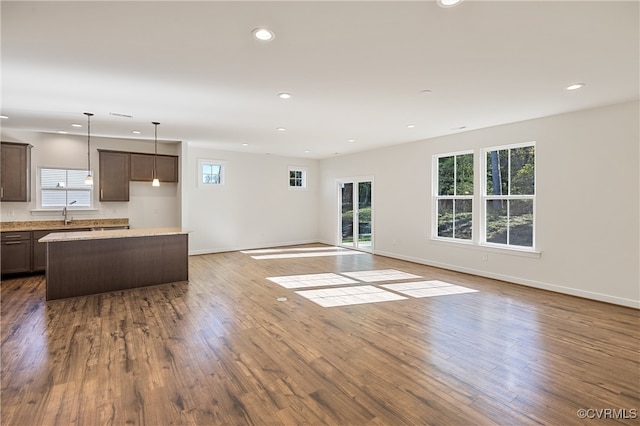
x,y
516,280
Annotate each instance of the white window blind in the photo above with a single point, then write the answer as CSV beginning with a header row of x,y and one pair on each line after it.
x,y
64,188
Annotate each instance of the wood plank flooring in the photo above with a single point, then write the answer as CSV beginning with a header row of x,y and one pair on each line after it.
x,y
222,350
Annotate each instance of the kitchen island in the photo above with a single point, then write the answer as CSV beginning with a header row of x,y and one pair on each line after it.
x,y
82,263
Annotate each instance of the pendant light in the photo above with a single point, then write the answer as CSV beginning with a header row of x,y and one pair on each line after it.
x,y
89,179
155,182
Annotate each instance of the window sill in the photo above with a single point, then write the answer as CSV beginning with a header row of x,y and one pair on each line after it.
x,y
510,251
58,211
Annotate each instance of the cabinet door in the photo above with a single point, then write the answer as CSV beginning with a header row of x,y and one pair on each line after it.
x,y
142,167
114,176
15,172
16,256
167,168
39,251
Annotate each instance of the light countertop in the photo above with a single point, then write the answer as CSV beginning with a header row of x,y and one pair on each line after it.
x,y
45,225
107,234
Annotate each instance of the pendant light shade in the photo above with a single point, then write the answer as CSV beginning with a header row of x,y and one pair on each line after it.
x,y
155,182
89,179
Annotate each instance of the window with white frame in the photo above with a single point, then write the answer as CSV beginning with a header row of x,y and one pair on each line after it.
x,y
211,173
297,177
64,188
509,196
454,196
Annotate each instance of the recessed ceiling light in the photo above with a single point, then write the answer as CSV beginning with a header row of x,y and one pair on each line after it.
x,y
575,86
136,132
3,116
281,129
306,151
351,140
62,132
76,125
425,91
411,126
245,144
448,3
284,95
263,34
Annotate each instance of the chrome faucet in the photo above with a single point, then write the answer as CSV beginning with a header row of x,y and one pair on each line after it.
x,y
64,213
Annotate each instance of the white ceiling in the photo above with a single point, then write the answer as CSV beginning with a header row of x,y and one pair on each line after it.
x,y
356,70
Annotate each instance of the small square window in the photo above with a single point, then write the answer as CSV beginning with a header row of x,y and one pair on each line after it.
x,y
297,178
211,173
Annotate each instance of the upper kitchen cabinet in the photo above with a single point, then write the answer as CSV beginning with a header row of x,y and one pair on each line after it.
x,y
15,172
114,175
142,167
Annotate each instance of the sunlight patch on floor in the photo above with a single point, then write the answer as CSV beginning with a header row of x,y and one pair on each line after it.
x,y
344,296
350,288
428,288
286,250
311,280
380,275
310,254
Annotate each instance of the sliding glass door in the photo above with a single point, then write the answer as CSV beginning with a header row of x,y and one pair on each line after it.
x,y
356,226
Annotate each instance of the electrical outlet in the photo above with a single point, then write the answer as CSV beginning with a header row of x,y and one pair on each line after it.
x,y
485,257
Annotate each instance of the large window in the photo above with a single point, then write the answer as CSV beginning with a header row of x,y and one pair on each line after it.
x,y
64,188
509,195
454,196
505,196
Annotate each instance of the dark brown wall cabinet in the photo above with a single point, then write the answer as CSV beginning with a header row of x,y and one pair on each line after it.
x,y
15,253
114,175
142,167
15,172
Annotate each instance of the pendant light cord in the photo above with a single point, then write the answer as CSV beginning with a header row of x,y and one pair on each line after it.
x,y
88,114
155,156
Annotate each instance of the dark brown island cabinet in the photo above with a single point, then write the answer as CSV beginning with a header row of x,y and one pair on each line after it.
x,y
15,172
83,263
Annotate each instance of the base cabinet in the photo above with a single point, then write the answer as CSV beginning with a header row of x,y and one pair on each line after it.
x,y
39,251
22,253
15,253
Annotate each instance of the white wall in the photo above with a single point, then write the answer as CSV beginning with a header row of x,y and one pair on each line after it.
x,y
148,207
588,210
254,208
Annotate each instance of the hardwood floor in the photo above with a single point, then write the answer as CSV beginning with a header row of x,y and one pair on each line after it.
x,y
222,350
